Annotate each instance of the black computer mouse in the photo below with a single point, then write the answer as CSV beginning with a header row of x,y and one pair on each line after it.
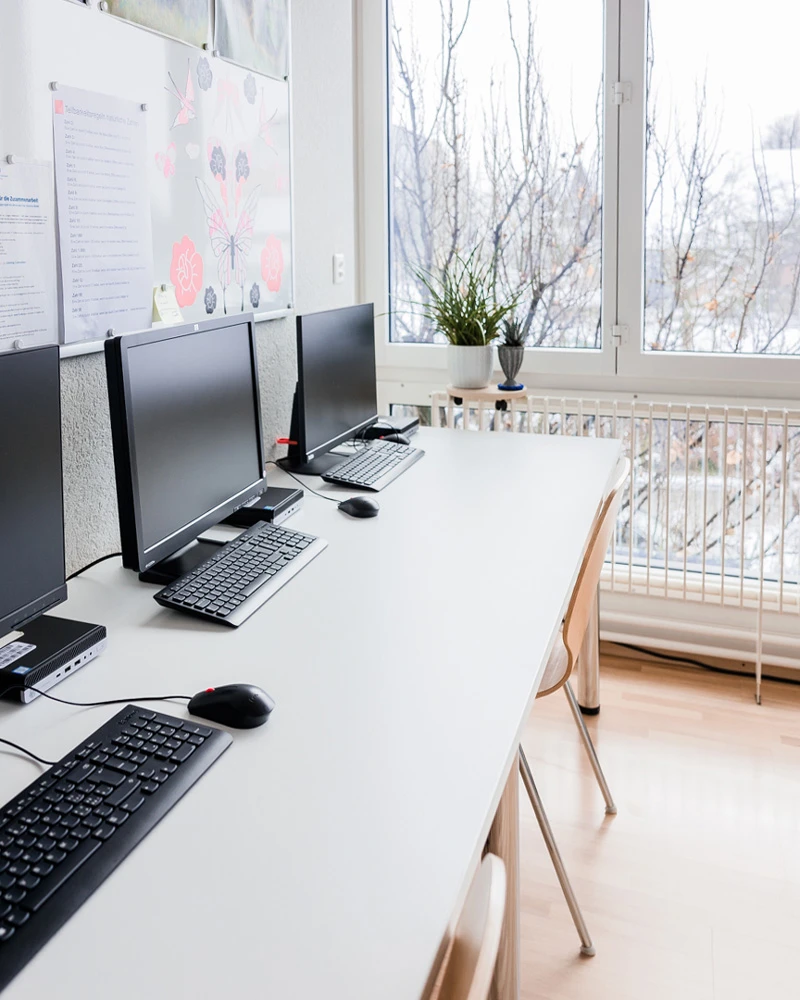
x,y
360,507
240,706
397,437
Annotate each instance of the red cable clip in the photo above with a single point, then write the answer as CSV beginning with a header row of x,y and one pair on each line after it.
x,y
284,441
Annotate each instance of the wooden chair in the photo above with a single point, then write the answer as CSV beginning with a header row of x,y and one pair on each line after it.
x,y
556,675
470,966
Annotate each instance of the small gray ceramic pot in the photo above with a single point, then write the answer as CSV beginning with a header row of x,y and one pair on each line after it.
x,y
511,362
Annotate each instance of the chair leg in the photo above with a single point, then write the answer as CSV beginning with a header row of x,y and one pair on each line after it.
x,y
611,808
587,948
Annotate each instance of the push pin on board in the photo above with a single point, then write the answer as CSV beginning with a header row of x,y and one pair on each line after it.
x,y
54,85
110,331
103,5
11,158
17,345
163,287
144,107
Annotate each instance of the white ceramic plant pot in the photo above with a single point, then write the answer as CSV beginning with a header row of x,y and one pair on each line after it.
x,y
470,367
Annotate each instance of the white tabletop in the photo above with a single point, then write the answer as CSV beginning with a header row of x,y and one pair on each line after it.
x,y
322,856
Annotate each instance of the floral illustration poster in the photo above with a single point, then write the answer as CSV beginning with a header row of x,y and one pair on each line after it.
x,y
220,188
186,20
254,33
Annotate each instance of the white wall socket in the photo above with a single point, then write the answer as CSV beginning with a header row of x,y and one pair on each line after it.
x,y
338,268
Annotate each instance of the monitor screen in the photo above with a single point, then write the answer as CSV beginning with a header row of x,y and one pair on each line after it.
x,y
336,364
31,511
192,428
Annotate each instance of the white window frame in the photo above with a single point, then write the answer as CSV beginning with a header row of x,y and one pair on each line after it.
x,y
409,372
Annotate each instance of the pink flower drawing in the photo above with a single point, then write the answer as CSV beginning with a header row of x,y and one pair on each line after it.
x,y
272,263
186,271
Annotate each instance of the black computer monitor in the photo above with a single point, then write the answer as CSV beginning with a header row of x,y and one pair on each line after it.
x,y
336,394
32,573
186,429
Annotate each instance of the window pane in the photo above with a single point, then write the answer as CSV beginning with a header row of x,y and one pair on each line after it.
x,y
495,133
722,262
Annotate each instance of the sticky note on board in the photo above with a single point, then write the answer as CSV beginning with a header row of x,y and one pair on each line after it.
x,y
165,305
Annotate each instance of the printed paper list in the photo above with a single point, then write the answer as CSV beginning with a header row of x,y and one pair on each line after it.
x,y
27,256
103,214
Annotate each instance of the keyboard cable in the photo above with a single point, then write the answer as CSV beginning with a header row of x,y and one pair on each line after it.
x,y
82,704
304,485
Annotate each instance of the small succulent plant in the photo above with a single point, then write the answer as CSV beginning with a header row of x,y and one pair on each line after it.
x,y
514,333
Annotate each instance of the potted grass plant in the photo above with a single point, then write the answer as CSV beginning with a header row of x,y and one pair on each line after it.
x,y
512,352
462,306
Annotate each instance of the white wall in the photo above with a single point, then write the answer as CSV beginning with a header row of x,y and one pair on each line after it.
x,y
322,96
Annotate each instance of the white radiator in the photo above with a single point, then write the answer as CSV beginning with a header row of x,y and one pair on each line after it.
x,y
711,513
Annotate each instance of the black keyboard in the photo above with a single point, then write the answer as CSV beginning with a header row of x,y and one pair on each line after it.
x,y
243,574
375,465
69,829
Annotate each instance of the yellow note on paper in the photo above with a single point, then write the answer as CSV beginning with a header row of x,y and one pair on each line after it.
x,y
165,305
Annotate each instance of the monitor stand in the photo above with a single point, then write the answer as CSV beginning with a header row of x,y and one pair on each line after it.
x,y
179,563
315,467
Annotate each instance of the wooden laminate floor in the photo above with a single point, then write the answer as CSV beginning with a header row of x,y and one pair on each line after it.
x,y
692,892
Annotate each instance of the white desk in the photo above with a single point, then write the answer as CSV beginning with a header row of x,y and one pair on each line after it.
x,y
324,854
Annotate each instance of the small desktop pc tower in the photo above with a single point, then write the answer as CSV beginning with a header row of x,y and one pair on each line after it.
x,y
36,650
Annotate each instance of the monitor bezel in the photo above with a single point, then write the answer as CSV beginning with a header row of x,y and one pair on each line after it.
x,y
134,554
300,400
26,613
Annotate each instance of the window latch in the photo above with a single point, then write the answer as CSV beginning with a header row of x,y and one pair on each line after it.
x,y
619,335
622,92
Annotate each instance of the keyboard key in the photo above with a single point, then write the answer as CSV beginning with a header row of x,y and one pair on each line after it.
x,y
132,803
63,871
6,932
126,766
118,796
103,832
17,917
186,750
108,777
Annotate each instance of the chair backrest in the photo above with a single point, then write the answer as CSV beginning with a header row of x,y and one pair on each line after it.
x,y
470,967
581,603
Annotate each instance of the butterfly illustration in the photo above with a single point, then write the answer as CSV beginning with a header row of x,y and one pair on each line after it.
x,y
231,248
264,124
185,98
166,161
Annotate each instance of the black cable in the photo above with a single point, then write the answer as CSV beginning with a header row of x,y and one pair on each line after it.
x,y
698,663
82,704
93,563
110,701
30,753
305,487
